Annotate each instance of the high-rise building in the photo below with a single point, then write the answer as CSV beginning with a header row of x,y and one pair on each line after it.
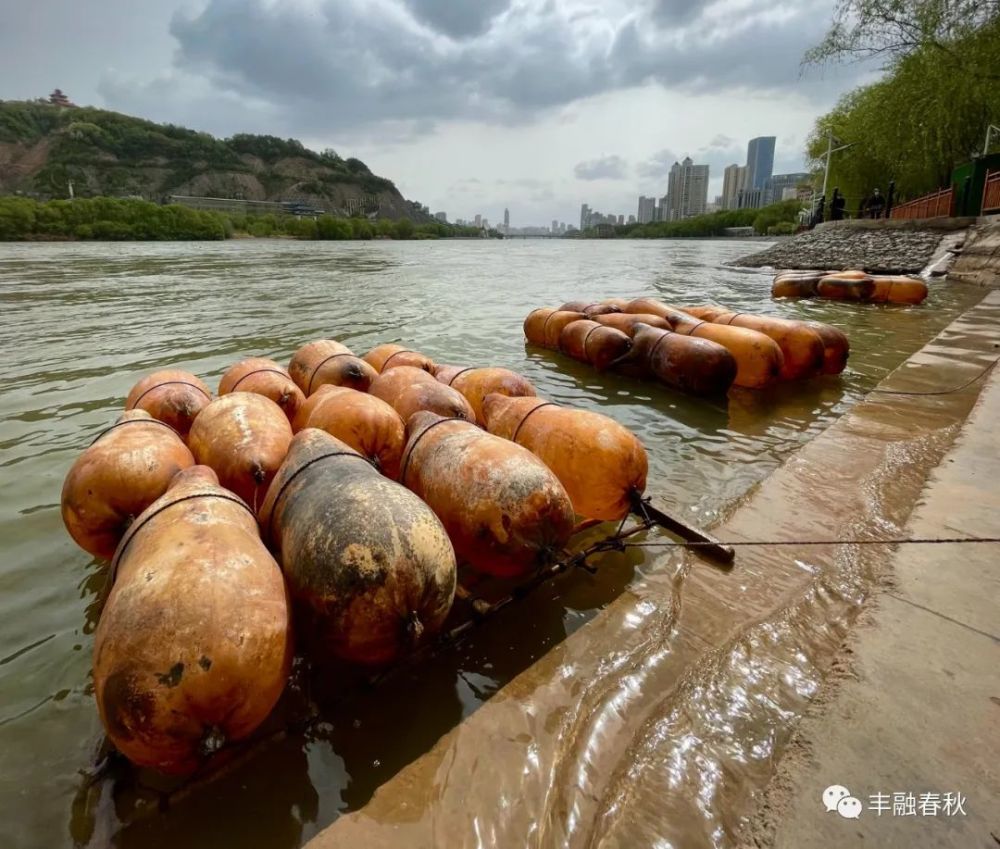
x,y
733,182
442,217
750,198
506,220
775,188
663,210
584,216
760,161
647,209
479,220
555,226
687,190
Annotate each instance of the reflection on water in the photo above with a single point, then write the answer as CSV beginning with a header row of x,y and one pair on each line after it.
x,y
81,323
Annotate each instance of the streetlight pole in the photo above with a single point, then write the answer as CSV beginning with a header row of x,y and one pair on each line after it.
x,y
830,150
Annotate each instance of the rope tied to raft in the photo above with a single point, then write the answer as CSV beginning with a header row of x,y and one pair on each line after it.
x,y
390,358
320,365
285,483
458,374
276,371
412,446
170,383
134,421
135,527
781,543
529,414
586,339
649,356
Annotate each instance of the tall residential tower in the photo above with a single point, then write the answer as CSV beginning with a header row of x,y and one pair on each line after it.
x,y
760,161
687,190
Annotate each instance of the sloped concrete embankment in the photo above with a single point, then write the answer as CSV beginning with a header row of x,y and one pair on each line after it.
x,y
979,262
661,722
884,247
914,708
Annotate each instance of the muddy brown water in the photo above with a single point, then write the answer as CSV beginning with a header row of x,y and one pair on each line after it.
x,y
81,323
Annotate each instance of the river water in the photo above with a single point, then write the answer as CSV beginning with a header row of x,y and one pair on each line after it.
x,y
80,323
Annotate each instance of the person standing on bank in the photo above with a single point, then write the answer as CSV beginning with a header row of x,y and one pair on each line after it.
x,y
876,204
837,206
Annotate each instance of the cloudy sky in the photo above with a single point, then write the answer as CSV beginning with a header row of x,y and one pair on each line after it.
x,y
469,105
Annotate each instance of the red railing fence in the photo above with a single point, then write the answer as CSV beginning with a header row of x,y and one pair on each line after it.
x,y
934,205
991,193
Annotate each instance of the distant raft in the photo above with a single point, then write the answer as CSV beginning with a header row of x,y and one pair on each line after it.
x,y
850,286
801,347
699,350
759,360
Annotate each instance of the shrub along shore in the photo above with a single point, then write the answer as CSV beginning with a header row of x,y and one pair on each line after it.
x,y
778,219
117,219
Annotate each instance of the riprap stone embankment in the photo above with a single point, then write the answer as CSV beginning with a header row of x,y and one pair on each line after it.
x,y
885,247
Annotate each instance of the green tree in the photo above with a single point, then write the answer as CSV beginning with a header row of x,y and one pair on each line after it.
x,y
894,29
925,116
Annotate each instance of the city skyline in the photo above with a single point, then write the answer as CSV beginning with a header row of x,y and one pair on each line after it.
x,y
751,184
466,107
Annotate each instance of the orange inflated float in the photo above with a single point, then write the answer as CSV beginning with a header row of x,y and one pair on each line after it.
x,y
194,645
244,437
267,378
365,423
126,468
601,464
505,511
171,396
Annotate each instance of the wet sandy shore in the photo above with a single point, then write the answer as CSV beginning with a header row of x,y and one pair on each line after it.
x,y
913,710
662,721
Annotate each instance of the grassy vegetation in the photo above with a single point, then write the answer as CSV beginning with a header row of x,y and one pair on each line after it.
x,y
776,219
115,219
930,110
107,153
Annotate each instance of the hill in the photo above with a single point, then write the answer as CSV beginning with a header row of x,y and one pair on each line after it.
x,y
44,147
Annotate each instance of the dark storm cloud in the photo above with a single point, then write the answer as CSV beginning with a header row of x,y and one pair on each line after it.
x,y
457,19
336,64
677,11
604,168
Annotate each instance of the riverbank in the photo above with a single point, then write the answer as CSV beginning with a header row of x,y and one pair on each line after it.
x,y
884,247
663,718
912,706
107,219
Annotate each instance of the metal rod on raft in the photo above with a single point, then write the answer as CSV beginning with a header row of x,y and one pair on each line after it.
x,y
708,544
